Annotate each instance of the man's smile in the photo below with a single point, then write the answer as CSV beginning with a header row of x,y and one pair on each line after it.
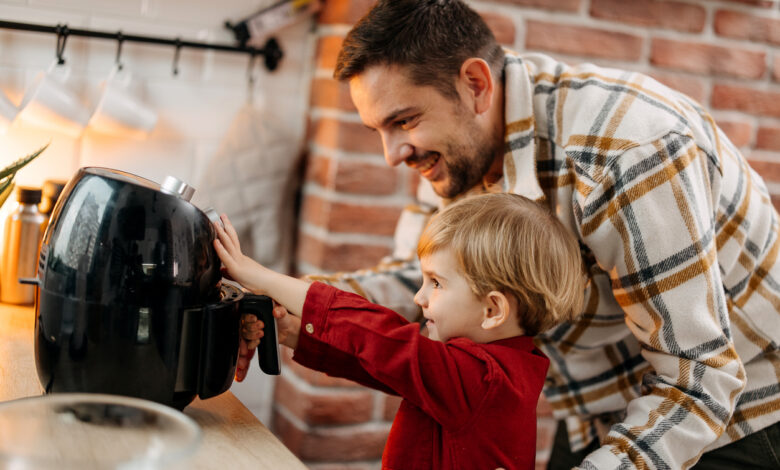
x,y
424,163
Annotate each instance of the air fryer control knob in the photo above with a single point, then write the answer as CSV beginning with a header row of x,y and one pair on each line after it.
x,y
177,187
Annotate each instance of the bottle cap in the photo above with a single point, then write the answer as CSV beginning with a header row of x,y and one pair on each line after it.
x,y
28,195
51,192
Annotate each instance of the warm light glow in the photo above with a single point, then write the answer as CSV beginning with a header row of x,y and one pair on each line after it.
x,y
8,112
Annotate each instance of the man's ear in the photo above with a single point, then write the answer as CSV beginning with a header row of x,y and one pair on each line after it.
x,y
496,311
475,75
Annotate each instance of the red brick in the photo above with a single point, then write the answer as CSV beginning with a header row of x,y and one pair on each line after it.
x,y
345,175
312,377
775,198
776,69
339,217
503,27
707,59
371,220
750,100
392,403
579,40
339,256
757,3
768,138
739,25
342,406
693,87
768,170
366,178
318,170
653,13
562,5
329,93
331,444
328,48
349,136
739,132
344,11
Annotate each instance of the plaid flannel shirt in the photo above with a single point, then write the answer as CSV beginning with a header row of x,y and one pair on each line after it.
x,y
676,352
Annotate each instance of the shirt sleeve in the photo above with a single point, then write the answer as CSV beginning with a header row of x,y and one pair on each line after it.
x,y
345,336
650,220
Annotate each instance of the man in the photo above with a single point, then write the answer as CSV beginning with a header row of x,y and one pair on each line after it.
x,y
675,358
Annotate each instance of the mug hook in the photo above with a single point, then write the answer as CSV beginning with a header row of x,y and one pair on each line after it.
x,y
119,40
176,57
62,36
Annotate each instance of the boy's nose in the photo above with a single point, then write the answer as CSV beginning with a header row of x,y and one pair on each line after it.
x,y
419,299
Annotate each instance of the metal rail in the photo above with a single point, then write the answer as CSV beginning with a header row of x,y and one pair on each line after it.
x,y
271,51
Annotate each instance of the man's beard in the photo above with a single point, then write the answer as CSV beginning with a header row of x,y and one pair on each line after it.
x,y
467,164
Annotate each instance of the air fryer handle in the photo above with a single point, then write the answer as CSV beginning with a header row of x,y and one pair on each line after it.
x,y
268,350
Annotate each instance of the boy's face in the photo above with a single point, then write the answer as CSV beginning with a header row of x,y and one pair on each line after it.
x,y
449,305
432,134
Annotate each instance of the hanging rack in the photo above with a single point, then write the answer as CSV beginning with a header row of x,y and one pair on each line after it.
x,y
271,50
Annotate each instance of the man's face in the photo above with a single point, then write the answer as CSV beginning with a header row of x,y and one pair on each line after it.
x,y
439,137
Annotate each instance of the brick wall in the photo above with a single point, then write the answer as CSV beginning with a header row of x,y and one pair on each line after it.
x,y
722,53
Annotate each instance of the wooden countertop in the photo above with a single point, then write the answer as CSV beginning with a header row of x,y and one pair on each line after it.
x,y
232,436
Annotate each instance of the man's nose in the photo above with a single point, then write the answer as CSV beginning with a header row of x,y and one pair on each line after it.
x,y
397,149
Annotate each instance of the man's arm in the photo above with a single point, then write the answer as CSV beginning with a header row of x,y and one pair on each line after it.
x,y
650,222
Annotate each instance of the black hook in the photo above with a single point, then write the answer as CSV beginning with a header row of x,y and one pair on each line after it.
x,y
62,36
119,40
273,54
176,57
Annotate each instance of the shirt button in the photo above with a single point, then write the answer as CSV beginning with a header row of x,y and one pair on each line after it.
x,y
309,328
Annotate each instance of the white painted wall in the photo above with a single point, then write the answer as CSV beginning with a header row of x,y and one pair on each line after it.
x,y
195,108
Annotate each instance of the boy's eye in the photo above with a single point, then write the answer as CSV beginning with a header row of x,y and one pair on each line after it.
x,y
435,283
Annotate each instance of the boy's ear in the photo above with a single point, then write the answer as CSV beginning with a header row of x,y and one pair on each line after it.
x,y
475,74
496,311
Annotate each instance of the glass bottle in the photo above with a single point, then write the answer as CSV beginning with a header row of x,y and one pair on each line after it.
x,y
23,233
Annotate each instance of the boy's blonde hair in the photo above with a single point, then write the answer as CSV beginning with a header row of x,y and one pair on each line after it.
x,y
508,243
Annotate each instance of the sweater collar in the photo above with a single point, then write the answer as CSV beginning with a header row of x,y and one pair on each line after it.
x,y
520,157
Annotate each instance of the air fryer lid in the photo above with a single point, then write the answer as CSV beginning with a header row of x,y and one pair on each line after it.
x,y
119,238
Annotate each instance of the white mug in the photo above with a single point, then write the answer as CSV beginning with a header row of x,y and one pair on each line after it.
x,y
49,103
120,113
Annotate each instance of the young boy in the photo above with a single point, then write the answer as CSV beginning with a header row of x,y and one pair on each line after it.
x,y
497,269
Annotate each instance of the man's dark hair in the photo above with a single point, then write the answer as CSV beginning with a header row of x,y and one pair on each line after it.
x,y
430,38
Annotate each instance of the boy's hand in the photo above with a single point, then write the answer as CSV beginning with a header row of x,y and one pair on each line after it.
x,y
288,326
236,266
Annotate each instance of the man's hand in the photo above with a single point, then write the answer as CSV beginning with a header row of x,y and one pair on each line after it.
x,y
249,337
288,327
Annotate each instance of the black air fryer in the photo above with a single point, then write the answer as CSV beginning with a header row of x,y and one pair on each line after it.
x,y
130,298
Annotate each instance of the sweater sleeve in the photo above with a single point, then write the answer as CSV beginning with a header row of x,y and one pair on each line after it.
x,y
345,336
650,220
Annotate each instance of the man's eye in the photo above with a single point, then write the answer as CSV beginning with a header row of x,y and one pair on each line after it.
x,y
405,123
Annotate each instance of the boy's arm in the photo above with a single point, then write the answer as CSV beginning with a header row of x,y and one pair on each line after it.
x,y
343,335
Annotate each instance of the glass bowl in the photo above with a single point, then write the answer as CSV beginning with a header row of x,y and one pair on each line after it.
x,y
93,431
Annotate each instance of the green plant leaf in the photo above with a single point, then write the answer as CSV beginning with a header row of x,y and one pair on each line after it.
x,y
11,169
6,187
